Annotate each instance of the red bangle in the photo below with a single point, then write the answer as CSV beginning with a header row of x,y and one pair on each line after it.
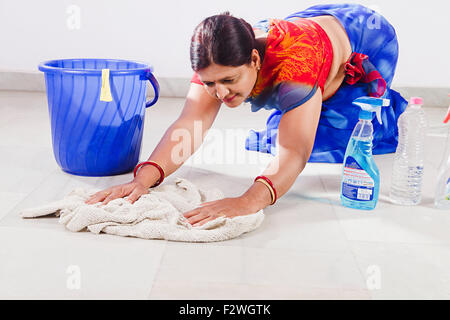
x,y
161,171
271,185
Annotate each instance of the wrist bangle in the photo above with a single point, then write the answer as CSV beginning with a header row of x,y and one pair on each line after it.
x,y
160,169
266,181
272,195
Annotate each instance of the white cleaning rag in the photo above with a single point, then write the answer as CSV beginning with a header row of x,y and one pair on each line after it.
x,y
156,215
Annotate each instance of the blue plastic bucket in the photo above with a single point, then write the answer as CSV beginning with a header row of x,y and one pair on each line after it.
x,y
93,135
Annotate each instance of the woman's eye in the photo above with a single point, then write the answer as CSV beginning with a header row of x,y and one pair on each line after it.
x,y
209,84
228,81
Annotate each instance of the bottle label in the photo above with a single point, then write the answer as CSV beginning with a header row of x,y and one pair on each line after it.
x,y
356,183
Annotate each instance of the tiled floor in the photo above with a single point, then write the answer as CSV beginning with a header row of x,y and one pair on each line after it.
x,y
308,247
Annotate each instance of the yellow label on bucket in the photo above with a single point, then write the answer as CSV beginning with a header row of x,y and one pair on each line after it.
x,y
105,93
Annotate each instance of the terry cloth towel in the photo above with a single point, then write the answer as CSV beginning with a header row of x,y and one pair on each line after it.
x,y
156,215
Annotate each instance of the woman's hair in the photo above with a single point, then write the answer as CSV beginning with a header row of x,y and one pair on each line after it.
x,y
222,39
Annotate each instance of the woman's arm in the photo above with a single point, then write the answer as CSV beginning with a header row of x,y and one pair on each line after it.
x,y
296,134
200,110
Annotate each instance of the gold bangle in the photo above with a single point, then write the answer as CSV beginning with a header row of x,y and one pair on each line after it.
x,y
272,194
164,172
157,166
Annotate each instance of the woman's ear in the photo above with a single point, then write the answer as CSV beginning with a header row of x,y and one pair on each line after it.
x,y
256,59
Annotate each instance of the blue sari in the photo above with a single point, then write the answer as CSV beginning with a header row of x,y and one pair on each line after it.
x,y
370,34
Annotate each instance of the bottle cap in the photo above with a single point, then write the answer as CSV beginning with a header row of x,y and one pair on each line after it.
x,y
447,117
416,100
365,115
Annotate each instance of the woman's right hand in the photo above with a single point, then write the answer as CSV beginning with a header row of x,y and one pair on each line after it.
x,y
134,190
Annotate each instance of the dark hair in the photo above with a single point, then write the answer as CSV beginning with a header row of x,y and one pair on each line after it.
x,y
222,39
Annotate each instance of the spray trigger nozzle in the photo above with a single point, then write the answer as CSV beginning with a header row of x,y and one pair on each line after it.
x,y
371,104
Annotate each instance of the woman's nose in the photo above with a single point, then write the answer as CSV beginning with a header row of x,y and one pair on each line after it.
x,y
221,91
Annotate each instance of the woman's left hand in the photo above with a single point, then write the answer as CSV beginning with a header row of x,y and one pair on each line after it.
x,y
228,207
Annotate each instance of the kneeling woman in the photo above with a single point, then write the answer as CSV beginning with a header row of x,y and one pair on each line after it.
x,y
308,68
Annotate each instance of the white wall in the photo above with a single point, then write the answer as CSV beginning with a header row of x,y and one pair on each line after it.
x,y
158,32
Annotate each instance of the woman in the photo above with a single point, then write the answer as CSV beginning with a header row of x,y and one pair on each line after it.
x,y
308,67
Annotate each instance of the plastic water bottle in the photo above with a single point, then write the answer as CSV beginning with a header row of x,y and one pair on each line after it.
x,y
406,183
442,197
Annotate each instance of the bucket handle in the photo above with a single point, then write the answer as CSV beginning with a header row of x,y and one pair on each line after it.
x,y
150,77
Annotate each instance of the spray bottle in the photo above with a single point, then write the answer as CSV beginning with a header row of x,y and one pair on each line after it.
x,y
442,198
361,179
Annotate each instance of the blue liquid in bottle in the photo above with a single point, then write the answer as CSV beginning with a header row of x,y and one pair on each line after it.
x,y
361,178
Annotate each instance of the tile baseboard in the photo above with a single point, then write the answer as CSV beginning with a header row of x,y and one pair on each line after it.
x,y
178,87
34,81
432,96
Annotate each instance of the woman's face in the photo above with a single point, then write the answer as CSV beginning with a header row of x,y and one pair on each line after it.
x,y
232,85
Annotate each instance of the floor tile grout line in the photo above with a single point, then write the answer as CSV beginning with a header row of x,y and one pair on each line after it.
x,y
331,206
396,243
348,242
45,178
28,194
247,284
158,269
